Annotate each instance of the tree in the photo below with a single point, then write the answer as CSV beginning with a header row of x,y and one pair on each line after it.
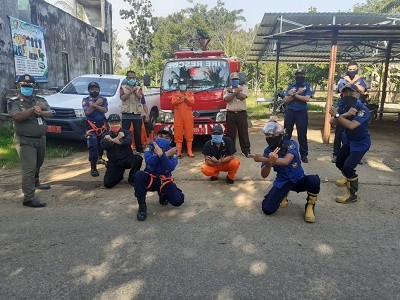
x,y
141,32
378,6
116,52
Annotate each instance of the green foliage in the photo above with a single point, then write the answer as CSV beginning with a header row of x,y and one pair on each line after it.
x,y
378,6
116,52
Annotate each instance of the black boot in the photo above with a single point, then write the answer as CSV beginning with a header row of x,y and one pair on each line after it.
x,y
93,169
142,211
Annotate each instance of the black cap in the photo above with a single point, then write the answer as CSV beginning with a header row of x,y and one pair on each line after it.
x,y
26,78
114,117
300,71
218,130
166,130
349,86
93,84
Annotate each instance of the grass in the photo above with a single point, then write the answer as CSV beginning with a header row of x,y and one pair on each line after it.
x,y
54,149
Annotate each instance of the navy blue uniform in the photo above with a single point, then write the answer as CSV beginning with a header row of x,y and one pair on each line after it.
x,y
157,176
288,178
296,113
356,142
95,126
120,157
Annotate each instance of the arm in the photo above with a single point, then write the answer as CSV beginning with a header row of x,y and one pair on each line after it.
x,y
23,115
134,90
231,93
343,118
177,98
189,98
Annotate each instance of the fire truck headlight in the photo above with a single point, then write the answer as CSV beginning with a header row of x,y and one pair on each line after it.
x,y
167,116
221,116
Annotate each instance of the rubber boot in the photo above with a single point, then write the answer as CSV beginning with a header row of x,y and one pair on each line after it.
x,y
93,169
179,149
350,195
142,211
309,216
341,182
284,202
189,149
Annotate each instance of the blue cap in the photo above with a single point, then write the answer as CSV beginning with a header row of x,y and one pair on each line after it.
x,y
350,86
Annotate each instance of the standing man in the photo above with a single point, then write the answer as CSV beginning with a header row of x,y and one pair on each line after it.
x,y
353,116
133,107
182,101
236,116
117,142
95,108
351,77
28,113
219,156
296,97
160,160
283,157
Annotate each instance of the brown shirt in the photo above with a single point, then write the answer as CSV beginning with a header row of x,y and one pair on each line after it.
x,y
235,104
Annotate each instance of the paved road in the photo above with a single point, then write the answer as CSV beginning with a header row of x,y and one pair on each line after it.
x,y
87,243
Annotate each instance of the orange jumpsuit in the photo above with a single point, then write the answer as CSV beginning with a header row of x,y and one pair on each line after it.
x,y
183,119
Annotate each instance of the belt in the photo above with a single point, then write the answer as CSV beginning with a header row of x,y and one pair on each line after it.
x,y
236,111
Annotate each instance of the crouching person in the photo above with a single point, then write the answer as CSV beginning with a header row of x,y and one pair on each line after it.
x,y
117,142
219,156
161,160
283,157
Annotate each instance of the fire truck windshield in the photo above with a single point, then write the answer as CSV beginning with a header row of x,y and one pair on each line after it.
x,y
200,74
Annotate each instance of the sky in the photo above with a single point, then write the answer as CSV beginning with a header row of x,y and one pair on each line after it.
x,y
253,10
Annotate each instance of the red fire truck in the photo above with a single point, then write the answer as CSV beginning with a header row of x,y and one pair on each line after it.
x,y
207,74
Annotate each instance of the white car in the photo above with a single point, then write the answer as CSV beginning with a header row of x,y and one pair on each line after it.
x,y
69,119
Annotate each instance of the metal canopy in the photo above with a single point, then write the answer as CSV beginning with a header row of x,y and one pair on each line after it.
x,y
307,37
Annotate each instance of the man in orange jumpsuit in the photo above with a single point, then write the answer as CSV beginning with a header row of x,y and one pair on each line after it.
x,y
183,117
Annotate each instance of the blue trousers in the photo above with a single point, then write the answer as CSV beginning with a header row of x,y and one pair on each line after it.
x,y
170,191
93,144
300,118
347,160
309,183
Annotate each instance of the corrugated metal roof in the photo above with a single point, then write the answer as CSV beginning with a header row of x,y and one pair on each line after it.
x,y
307,37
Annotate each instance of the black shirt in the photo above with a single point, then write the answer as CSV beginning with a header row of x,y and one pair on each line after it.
x,y
226,148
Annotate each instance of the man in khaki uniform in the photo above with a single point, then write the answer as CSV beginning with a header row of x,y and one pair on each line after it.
x,y
133,107
28,113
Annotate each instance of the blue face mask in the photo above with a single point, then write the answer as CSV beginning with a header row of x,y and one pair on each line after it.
x,y
216,138
162,143
131,82
235,82
26,91
182,87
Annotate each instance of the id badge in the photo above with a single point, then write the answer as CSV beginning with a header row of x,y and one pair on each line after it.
x,y
40,121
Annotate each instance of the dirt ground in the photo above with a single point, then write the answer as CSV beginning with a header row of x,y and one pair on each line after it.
x,y
70,176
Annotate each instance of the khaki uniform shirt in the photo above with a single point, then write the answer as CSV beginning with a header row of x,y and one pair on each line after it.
x,y
235,104
34,126
132,104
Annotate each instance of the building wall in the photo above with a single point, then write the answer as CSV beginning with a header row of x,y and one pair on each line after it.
x,y
65,36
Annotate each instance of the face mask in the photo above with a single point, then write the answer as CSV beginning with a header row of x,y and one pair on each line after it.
x,y
26,91
216,138
115,128
182,87
131,82
273,141
349,102
94,94
299,80
352,74
162,143
235,82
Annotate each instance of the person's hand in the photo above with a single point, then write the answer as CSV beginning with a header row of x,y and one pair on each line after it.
x,y
120,135
208,159
108,138
41,105
258,157
239,89
292,92
171,152
332,110
215,160
299,91
351,112
273,156
230,90
99,101
37,110
147,118
157,149
92,104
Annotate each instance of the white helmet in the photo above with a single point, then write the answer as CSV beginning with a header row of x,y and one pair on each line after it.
x,y
272,128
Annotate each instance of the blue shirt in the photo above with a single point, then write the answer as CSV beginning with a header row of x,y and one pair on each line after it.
x,y
159,165
342,82
296,104
96,115
359,138
293,172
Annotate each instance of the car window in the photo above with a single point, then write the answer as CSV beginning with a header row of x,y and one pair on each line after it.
x,y
79,86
